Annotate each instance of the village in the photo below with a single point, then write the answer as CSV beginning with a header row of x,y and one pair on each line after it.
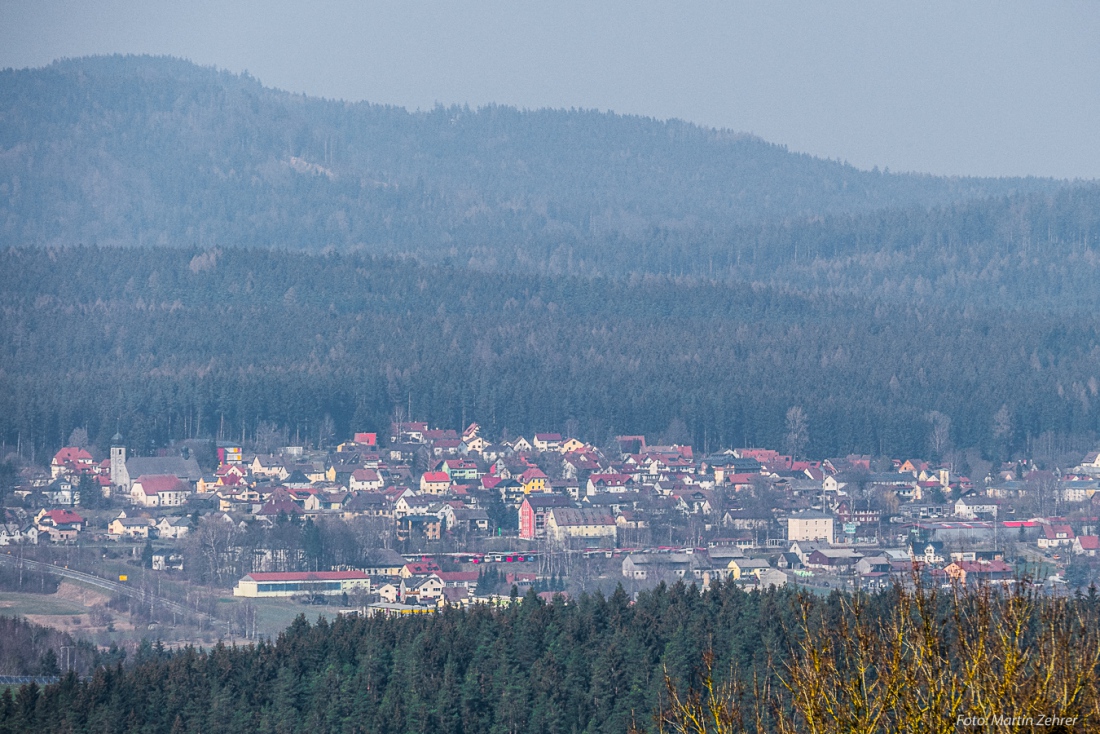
x,y
435,517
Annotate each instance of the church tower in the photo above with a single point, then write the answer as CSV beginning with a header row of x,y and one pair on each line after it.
x,y
119,475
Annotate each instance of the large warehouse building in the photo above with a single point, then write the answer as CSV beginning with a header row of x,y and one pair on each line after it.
x,y
294,583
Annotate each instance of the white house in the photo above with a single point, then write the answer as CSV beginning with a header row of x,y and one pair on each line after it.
x,y
173,527
810,526
565,523
365,480
159,490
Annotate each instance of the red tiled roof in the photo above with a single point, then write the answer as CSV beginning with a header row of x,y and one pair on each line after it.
x,y
63,517
274,507
1052,531
611,479
156,483
72,455
436,476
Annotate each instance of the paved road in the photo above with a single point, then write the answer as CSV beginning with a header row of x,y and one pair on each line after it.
x,y
102,583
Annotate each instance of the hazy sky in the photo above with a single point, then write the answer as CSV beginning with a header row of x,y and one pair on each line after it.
x,y
955,87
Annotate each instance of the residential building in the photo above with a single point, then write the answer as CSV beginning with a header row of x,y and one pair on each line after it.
x,y
533,512
131,528
810,526
1055,536
435,482
328,583
159,490
567,523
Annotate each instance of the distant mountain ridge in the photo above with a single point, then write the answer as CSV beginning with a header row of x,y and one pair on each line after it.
x,y
143,151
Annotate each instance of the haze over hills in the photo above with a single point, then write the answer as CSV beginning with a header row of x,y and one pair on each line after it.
x,y
141,151
548,288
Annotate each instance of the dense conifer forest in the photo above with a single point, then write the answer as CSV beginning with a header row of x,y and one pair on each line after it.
x,y
595,665
776,662
170,344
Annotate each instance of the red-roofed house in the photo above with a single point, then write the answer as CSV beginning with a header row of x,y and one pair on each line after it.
x,y
764,456
71,460
435,482
280,505
547,441
365,480
54,518
577,462
159,490
59,525
1086,545
230,475
1054,536
419,568
598,483
460,469
741,480
534,480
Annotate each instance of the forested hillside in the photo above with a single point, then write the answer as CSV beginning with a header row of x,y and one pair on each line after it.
x,y
170,343
594,666
531,270
897,661
142,151
589,667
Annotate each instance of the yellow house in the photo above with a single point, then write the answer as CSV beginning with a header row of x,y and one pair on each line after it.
x,y
269,466
130,527
316,474
571,445
743,567
435,482
533,480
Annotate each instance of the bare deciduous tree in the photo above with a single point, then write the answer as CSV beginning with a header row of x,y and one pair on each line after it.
x,y
991,655
1002,425
326,432
939,437
79,438
798,431
268,436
